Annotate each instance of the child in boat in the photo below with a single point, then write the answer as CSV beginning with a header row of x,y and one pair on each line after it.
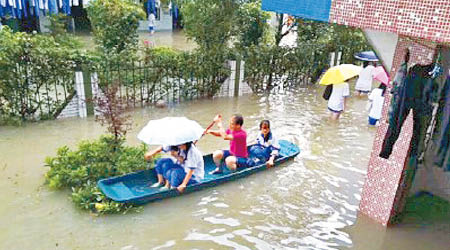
x,y
267,145
190,171
237,155
166,163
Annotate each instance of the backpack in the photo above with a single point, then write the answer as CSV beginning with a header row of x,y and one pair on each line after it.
x,y
327,93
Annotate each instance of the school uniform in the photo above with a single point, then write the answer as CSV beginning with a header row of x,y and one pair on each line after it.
x,y
164,164
193,161
151,22
377,99
364,82
339,93
264,149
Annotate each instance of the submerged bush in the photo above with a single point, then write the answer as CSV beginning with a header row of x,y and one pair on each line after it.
x,y
80,170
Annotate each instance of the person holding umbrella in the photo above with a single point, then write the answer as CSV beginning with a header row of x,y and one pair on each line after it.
x,y
338,76
187,166
364,83
338,100
192,170
164,164
375,104
376,97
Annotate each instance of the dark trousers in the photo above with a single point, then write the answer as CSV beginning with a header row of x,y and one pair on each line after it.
x,y
416,94
441,136
164,165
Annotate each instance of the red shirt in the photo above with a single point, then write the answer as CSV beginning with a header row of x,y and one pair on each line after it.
x,y
238,146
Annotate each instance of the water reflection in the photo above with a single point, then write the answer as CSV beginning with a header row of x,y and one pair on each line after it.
x,y
308,203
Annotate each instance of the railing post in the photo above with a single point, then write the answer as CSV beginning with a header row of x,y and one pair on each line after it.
x,y
79,87
332,56
95,89
237,78
339,56
88,91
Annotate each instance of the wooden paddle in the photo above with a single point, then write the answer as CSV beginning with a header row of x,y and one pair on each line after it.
x,y
204,133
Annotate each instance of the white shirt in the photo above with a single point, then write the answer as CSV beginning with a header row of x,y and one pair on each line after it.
x,y
194,160
272,143
340,91
166,149
151,19
365,79
377,103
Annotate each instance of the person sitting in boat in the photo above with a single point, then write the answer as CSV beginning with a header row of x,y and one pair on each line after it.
x,y
190,171
165,163
237,155
266,147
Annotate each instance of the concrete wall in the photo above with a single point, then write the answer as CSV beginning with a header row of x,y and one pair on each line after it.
x,y
432,179
384,44
228,87
77,106
71,110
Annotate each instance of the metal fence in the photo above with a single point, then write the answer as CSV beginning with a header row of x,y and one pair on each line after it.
x,y
40,91
141,83
29,91
268,68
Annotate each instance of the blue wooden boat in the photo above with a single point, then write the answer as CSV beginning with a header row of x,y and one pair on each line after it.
x,y
136,187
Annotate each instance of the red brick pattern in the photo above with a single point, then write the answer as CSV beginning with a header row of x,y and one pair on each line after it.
x,y
382,191
426,19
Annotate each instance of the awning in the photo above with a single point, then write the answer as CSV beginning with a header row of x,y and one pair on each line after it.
x,y
318,10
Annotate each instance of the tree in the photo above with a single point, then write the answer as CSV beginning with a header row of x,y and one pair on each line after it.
x,y
349,40
251,24
209,23
311,32
115,24
332,38
111,109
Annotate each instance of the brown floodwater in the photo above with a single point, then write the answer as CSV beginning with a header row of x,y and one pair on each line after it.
x,y
310,202
176,39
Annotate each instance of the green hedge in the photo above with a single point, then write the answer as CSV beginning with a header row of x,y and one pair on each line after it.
x,y
79,170
269,66
36,74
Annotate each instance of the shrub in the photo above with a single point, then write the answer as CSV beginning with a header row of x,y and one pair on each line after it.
x,y
79,170
202,71
111,109
36,74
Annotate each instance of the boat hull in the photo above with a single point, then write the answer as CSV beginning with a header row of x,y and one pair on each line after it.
x,y
136,187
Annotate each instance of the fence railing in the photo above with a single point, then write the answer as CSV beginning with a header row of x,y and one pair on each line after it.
x,y
141,83
270,67
28,93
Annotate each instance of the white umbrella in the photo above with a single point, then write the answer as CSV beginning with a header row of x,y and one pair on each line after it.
x,y
170,131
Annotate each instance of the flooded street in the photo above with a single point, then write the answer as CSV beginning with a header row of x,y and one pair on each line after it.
x,y
310,202
176,40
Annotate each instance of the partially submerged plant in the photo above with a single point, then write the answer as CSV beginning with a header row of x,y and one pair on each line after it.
x,y
80,169
111,111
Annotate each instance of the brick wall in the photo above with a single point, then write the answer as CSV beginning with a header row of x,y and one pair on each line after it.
x,y
426,19
382,193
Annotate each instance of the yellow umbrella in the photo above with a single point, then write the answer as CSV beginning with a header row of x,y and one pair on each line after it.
x,y
339,74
